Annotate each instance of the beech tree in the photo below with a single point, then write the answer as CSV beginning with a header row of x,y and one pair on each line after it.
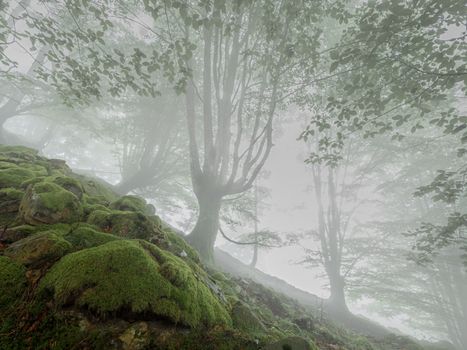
x,y
403,64
246,57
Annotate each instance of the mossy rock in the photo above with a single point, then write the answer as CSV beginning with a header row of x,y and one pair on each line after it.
x,y
86,237
10,199
6,165
130,203
70,184
39,169
244,319
97,192
89,208
18,153
12,281
123,223
135,276
38,249
178,246
291,343
16,233
48,203
14,177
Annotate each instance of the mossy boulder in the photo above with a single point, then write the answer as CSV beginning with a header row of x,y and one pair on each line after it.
x,y
12,281
123,223
130,203
13,234
70,184
134,276
18,154
14,177
49,203
38,249
87,237
10,199
244,319
96,191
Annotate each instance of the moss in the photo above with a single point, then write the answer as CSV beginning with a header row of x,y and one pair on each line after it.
x,y
16,233
244,319
10,194
135,275
178,246
68,183
18,154
13,177
38,249
12,281
130,203
86,237
37,169
46,202
122,223
7,165
89,208
98,190
10,200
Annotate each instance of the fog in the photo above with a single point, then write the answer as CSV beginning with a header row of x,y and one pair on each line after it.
x,y
321,144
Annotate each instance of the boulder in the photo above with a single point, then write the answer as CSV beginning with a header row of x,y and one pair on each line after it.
x,y
38,249
135,277
49,203
126,224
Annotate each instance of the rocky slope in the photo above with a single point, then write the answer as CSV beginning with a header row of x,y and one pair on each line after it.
x,y
81,268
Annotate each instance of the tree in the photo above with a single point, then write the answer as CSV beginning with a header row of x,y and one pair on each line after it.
x,y
246,55
399,62
428,296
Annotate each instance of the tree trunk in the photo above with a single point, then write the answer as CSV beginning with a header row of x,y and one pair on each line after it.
x,y
254,260
337,297
204,234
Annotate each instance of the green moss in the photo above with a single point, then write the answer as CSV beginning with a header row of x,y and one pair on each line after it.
x,y
122,223
98,190
10,200
12,281
37,169
244,319
178,246
13,177
7,194
38,249
86,237
130,203
13,234
68,183
7,165
135,275
89,208
46,202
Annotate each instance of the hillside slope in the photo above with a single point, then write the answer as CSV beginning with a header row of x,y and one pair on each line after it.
x,y
82,268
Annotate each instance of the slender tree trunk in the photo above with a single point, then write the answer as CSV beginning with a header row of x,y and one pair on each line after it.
x,y
254,260
203,236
